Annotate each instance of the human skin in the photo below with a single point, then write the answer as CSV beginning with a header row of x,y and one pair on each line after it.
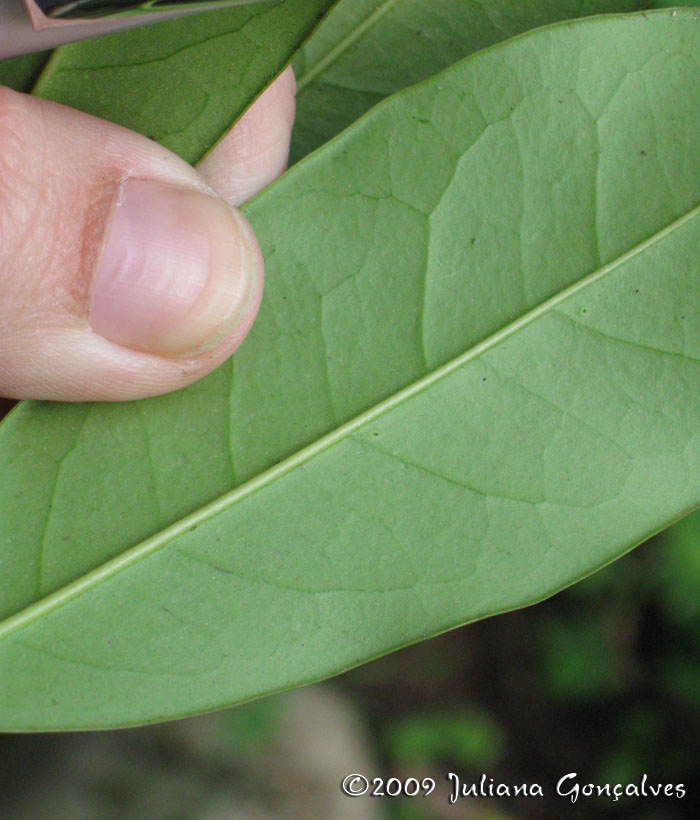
x,y
124,272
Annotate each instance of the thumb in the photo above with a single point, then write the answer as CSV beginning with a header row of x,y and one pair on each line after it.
x,y
122,275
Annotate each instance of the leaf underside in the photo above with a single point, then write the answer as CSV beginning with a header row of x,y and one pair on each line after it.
x,y
473,381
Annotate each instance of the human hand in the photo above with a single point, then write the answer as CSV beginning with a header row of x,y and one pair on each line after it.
x,y
122,274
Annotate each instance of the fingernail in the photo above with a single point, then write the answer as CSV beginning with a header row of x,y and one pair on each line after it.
x,y
178,271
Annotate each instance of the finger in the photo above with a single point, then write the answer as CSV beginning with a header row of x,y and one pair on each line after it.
x,y
256,150
121,274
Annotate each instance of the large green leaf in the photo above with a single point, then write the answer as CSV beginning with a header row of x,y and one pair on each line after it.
x,y
473,380
366,50
182,82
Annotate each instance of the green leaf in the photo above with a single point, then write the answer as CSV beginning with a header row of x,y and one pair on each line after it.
x,y
473,381
183,82
21,73
366,50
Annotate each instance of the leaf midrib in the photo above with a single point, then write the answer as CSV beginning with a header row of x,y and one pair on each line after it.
x,y
190,522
